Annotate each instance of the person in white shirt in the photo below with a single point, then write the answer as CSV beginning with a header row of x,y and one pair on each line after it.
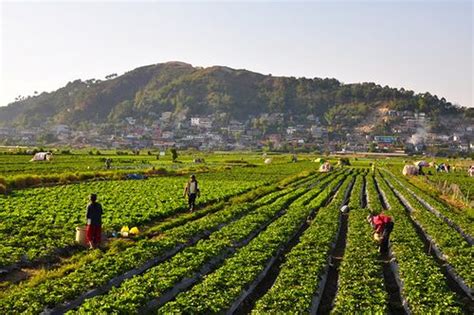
x,y
192,192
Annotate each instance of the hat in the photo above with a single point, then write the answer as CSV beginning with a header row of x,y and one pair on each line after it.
x,y
345,209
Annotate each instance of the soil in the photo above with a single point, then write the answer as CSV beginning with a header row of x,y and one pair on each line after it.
x,y
395,305
330,290
373,117
16,276
363,199
382,201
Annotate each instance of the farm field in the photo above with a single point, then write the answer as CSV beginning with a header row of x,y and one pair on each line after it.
x,y
266,238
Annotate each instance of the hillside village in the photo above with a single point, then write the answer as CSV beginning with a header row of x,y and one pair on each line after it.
x,y
410,134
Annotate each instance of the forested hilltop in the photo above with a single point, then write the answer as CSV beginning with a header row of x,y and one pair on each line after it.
x,y
146,92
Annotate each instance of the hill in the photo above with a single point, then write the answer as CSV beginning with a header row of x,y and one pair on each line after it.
x,y
146,92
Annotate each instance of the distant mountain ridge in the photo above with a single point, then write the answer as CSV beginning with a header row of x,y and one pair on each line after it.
x,y
146,92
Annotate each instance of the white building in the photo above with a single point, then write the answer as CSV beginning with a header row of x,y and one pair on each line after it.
x,y
201,122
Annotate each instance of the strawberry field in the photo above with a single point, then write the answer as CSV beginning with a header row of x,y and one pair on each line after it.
x,y
266,239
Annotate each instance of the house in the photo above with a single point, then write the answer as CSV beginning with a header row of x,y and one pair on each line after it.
x,y
130,120
318,131
166,116
201,122
60,129
167,135
385,141
275,118
457,137
275,139
291,130
236,126
6,131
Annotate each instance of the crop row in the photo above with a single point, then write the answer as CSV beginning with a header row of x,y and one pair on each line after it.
x,y
360,284
220,290
456,250
114,263
301,179
299,277
457,216
423,284
134,293
36,222
373,199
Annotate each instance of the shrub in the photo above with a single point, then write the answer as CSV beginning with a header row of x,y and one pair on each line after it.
x,y
68,178
24,181
85,176
3,189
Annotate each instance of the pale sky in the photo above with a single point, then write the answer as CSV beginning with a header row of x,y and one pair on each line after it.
x,y
422,45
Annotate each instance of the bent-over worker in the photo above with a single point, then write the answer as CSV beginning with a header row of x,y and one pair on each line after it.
x,y
192,192
94,222
383,226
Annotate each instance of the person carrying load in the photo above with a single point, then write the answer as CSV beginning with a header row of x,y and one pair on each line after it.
x,y
383,226
192,192
94,222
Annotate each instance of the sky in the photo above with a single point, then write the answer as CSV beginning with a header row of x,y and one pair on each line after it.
x,y
425,46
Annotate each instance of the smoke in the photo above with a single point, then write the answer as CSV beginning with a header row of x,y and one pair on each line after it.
x,y
419,137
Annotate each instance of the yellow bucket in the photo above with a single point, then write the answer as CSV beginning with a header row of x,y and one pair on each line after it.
x,y
377,237
81,235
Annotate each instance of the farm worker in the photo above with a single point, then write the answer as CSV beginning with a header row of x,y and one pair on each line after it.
x,y
107,163
192,192
471,171
94,222
383,226
420,169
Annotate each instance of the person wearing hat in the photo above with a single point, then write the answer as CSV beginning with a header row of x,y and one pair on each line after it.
x,y
94,222
383,226
192,192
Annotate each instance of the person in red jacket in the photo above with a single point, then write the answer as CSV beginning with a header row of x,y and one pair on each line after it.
x,y
383,225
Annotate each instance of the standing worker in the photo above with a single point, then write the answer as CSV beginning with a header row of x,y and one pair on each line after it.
x,y
94,222
192,192
108,161
383,226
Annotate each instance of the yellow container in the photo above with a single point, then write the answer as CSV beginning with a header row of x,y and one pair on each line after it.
x,y
81,235
377,237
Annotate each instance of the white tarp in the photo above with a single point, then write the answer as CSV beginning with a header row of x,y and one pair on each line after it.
x,y
326,167
42,156
410,170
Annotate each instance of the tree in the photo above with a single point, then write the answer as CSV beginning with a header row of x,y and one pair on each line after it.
x,y
174,154
47,138
372,147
